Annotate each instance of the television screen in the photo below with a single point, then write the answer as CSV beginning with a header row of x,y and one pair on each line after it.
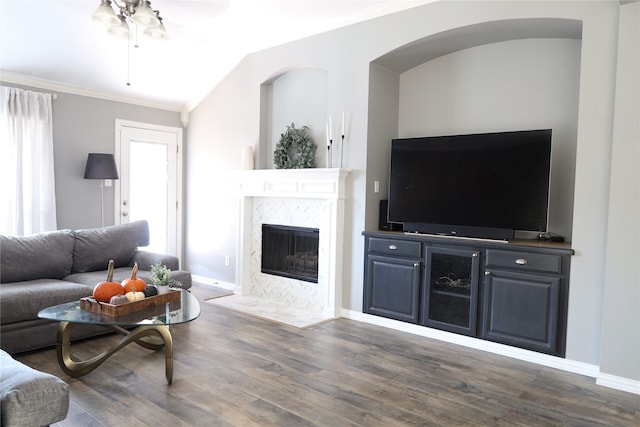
x,y
471,184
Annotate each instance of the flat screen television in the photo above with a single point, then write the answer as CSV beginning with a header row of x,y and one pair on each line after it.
x,y
480,185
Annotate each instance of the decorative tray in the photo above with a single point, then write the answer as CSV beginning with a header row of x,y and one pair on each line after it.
x,y
95,306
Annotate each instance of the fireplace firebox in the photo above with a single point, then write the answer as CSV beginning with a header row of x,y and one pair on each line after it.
x,y
290,252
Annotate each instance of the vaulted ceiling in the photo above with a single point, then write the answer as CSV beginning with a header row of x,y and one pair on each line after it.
x,y
56,44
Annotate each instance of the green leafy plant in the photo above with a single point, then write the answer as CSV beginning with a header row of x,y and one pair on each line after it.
x,y
295,150
161,276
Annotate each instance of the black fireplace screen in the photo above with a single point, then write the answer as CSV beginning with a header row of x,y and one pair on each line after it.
x,y
290,252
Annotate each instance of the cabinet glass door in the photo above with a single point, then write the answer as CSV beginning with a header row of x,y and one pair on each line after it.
x,y
451,289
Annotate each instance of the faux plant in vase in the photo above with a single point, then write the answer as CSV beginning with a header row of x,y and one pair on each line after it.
x,y
161,278
295,150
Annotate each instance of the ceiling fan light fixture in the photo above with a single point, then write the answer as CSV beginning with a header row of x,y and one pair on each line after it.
x,y
144,15
137,12
104,14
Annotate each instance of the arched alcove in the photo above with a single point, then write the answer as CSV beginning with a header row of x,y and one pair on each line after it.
x,y
490,77
296,96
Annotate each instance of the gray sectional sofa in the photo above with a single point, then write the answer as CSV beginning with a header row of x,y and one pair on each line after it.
x,y
62,266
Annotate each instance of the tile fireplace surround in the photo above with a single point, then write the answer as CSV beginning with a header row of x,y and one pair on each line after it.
x,y
295,197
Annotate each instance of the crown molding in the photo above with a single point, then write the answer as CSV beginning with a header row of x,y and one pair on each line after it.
x,y
20,79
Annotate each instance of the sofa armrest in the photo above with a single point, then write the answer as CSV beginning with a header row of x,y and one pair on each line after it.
x,y
146,259
29,397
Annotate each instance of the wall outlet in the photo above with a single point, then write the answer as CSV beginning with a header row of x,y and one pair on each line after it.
x,y
376,186
226,260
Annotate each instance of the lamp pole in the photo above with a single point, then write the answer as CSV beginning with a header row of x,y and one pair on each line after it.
x,y
102,202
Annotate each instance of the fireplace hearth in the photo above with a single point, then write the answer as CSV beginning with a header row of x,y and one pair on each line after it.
x,y
290,252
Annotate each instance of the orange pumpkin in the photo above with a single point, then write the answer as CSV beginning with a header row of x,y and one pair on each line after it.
x,y
107,289
133,284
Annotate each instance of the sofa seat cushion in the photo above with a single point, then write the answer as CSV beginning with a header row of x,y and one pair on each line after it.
x,y
41,256
30,397
96,246
92,278
22,301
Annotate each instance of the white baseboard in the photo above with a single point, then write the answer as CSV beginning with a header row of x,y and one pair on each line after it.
x,y
212,282
619,383
478,344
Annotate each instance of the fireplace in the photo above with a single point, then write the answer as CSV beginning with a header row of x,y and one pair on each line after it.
x,y
298,199
290,252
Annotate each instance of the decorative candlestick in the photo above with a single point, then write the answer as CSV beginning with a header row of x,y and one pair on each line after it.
x,y
328,161
342,140
328,156
330,153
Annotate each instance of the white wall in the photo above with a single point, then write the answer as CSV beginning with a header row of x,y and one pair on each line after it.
x,y
620,326
229,118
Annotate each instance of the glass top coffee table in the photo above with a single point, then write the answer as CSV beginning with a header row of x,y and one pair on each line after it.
x,y
148,328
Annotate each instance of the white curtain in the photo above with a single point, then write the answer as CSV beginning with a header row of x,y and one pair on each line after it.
x,y
28,202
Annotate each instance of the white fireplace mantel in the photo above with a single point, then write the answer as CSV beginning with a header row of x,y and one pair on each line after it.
x,y
326,185
307,183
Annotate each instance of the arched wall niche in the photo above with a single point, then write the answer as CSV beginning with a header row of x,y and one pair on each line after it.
x,y
436,45
295,95
494,76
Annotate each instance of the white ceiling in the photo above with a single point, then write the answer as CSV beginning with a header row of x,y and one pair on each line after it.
x,y
52,43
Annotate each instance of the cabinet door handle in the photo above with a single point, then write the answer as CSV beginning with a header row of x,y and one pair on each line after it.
x,y
416,264
475,254
487,273
521,261
393,247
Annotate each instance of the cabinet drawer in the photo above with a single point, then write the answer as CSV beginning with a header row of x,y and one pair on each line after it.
x,y
393,247
524,261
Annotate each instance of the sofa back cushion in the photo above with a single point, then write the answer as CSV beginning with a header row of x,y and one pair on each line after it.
x,y
41,256
96,246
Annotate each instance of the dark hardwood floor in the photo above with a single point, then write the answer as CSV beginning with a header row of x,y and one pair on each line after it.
x,y
235,370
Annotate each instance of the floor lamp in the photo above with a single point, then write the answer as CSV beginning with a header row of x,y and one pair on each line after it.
x,y
101,166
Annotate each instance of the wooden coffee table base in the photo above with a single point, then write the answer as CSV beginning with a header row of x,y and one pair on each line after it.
x,y
152,337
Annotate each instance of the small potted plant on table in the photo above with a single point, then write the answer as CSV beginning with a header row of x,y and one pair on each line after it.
x,y
161,278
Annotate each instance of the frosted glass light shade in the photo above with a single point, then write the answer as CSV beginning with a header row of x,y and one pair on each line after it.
x,y
105,15
144,15
157,32
121,29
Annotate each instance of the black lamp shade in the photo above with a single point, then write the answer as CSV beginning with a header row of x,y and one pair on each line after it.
x,y
101,166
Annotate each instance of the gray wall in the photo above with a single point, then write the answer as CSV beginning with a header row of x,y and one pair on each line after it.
x,y
298,96
512,85
230,118
83,125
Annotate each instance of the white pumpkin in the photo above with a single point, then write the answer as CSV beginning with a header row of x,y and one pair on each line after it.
x,y
134,296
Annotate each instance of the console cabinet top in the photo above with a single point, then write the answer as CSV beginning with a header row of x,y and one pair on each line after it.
x,y
543,246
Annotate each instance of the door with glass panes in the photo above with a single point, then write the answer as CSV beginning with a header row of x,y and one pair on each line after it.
x,y
150,181
450,289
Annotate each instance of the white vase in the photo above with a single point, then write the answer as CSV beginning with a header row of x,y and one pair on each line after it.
x,y
247,157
